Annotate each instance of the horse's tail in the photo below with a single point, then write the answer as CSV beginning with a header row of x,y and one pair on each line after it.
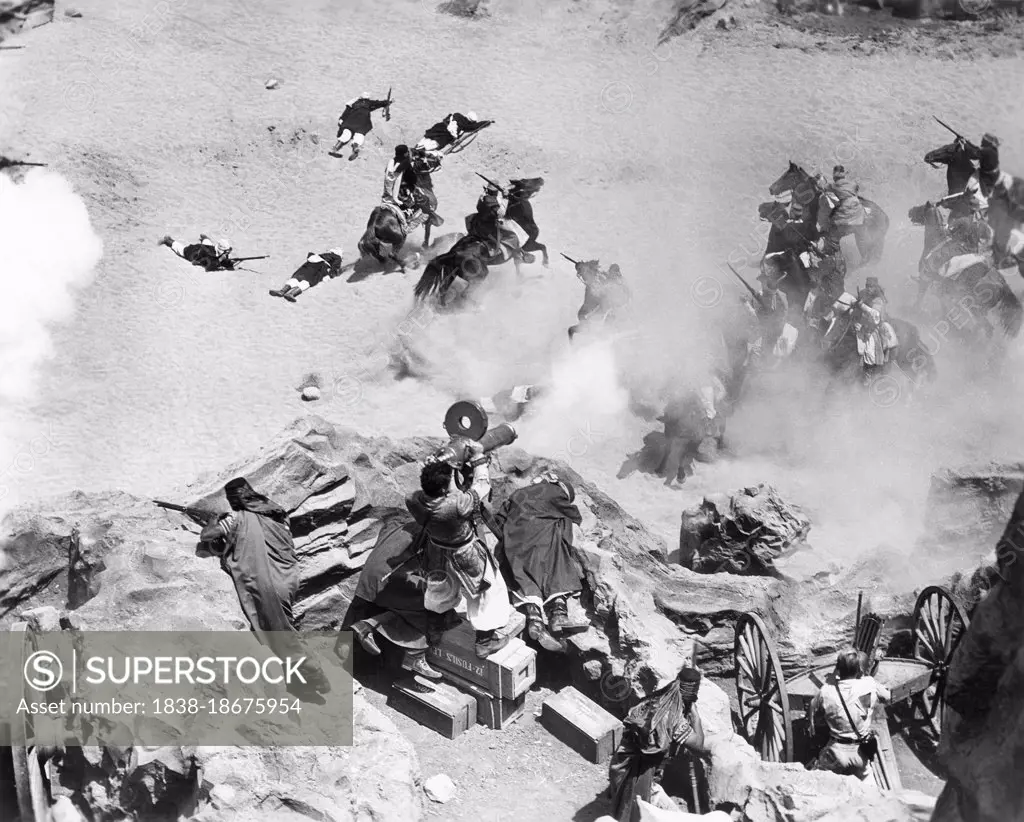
x,y
1010,311
433,280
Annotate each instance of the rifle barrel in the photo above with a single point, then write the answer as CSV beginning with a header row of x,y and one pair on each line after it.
x,y
570,259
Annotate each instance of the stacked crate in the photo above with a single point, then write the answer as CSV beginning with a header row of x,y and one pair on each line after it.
x,y
489,691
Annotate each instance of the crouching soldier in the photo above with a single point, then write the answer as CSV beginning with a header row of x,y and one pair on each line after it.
x,y
207,254
542,571
316,269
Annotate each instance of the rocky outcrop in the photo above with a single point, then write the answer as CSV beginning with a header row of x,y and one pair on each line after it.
x,y
742,533
136,566
117,561
20,15
982,744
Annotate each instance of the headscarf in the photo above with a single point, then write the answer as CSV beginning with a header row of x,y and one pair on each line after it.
x,y
243,497
657,718
223,246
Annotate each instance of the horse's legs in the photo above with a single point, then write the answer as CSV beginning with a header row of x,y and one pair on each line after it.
x,y
531,244
426,234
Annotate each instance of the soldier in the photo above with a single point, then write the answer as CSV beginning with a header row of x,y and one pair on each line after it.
x,y
316,269
207,254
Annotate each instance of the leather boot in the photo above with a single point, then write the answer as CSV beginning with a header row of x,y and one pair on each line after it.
x,y
416,663
292,293
279,292
364,633
488,642
558,616
538,632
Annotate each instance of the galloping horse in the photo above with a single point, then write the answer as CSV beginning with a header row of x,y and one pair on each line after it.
x,y
468,260
786,240
976,288
520,211
959,164
385,235
870,236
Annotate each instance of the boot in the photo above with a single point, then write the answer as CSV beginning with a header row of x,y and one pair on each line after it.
x,y
416,663
279,292
558,616
364,633
166,240
487,643
355,152
336,151
292,293
538,632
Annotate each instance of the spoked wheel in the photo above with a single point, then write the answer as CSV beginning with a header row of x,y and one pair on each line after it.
x,y
29,787
761,690
939,623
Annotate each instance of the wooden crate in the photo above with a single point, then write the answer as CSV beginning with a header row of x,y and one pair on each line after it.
x,y
491,711
506,675
581,724
445,709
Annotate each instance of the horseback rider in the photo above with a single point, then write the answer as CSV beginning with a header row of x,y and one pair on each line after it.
x,y
399,179
876,338
606,291
771,308
422,188
447,131
486,223
826,269
848,213
355,123
988,163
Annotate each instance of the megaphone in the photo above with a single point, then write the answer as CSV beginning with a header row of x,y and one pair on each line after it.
x,y
467,420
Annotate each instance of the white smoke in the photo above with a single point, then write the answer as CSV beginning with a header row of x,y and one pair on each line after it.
x,y
48,250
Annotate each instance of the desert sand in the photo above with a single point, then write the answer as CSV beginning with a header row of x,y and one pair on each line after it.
x,y
157,113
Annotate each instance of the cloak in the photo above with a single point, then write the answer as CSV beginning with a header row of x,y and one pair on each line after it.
x,y
535,524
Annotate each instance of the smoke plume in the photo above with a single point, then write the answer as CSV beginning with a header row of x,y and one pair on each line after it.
x,y
48,250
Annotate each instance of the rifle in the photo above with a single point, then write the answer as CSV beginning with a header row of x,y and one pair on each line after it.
x,y
570,259
748,286
387,108
8,163
200,515
491,182
10,48
954,132
236,260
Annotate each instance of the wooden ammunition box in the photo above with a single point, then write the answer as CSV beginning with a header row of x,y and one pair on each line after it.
x,y
491,711
506,675
581,724
446,709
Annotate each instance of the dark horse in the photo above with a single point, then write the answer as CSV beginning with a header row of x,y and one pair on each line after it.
x,y
912,357
978,288
520,211
959,162
786,240
385,236
870,236
468,260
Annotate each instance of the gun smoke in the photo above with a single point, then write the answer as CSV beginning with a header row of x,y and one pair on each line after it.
x,y
49,252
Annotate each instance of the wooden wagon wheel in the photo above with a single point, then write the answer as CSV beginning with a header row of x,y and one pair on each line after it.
x,y
761,691
939,623
29,787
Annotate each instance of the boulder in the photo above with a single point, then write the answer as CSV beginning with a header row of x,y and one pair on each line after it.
x,y
20,15
742,533
967,506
